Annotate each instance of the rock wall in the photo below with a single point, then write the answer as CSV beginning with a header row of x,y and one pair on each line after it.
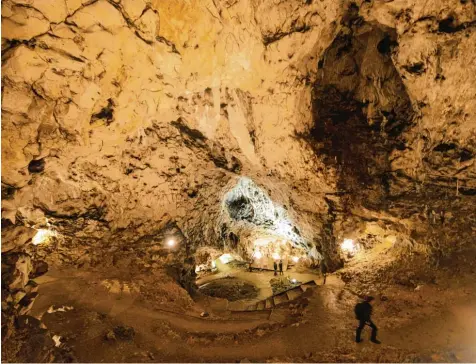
x,y
122,118
24,337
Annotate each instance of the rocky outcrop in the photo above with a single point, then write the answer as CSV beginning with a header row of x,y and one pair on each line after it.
x,y
24,338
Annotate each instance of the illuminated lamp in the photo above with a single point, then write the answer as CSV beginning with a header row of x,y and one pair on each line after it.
x,y
42,236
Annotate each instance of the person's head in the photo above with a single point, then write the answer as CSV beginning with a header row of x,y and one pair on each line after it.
x,y
280,260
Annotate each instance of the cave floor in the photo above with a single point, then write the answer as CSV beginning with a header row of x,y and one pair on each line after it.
x,y
433,324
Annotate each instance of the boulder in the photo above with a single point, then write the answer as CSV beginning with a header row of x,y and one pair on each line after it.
x,y
16,270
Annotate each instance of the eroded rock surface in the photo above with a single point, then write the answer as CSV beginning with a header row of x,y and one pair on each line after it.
x,y
127,122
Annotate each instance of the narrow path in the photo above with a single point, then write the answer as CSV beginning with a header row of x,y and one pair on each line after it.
x,y
75,292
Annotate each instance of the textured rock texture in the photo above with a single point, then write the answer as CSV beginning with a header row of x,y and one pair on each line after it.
x,y
126,122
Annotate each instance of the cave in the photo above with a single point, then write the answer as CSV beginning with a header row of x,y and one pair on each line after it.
x,y
233,180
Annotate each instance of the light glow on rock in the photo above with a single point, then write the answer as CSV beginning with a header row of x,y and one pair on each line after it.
x,y
171,243
226,258
295,259
42,236
262,242
257,254
276,256
348,246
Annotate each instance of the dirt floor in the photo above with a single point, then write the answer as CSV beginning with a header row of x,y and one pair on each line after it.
x,y
432,323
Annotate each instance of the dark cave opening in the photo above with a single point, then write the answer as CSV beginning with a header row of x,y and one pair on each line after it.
x,y
240,208
360,110
36,166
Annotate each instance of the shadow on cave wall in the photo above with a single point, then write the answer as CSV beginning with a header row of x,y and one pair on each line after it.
x,y
360,109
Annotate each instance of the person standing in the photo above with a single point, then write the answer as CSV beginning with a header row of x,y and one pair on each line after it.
x,y
275,268
280,267
363,313
324,270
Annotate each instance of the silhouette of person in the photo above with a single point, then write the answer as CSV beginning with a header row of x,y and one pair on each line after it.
x,y
280,267
363,313
324,270
275,268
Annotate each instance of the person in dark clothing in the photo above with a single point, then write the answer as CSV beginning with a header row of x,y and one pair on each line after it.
x,y
324,270
363,313
275,268
280,267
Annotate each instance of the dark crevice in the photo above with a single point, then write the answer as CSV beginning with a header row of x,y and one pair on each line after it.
x,y
415,68
195,139
346,125
106,113
36,166
450,25
445,147
386,45
96,214
61,52
468,191
6,222
327,245
449,154
8,192
193,135
271,38
149,42
169,43
465,155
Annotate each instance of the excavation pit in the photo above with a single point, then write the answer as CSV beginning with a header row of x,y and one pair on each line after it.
x,y
232,289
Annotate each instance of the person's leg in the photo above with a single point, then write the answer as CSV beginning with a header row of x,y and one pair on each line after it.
x,y
358,332
324,279
373,336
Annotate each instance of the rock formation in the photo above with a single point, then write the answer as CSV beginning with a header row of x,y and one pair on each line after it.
x,y
126,122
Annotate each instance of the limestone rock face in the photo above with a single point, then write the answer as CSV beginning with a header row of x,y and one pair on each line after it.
x,y
16,236
127,121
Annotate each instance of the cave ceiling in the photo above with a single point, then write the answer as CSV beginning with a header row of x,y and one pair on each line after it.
x,y
128,121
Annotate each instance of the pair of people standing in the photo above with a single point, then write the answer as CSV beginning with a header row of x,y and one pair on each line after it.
x,y
280,268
